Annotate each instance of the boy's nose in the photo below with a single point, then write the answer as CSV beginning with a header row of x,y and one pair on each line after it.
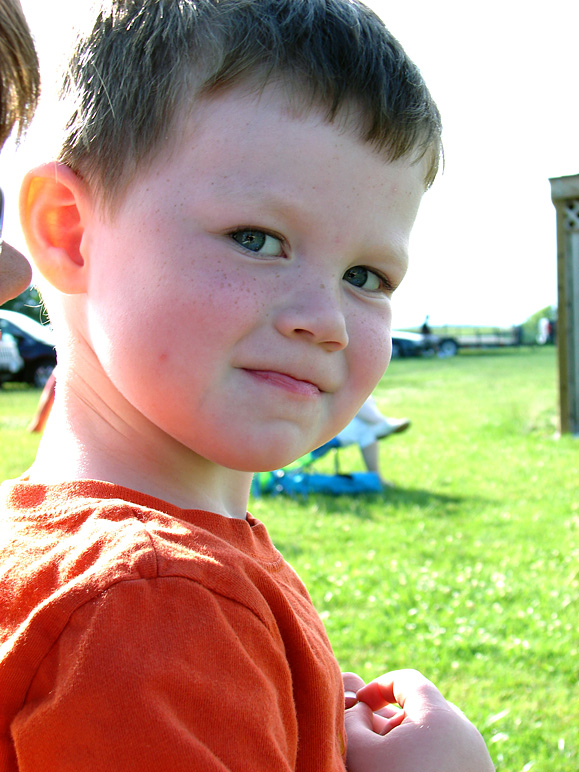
x,y
315,315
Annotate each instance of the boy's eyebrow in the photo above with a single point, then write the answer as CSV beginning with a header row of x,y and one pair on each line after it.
x,y
286,205
295,213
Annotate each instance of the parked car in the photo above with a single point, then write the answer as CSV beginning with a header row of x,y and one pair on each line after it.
x,y
35,344
411,344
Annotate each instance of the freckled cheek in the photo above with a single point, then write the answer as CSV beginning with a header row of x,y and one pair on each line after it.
x,y
379,351
373,347
227,297
211,315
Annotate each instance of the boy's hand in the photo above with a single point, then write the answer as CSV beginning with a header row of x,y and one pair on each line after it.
x,y
383,719
429,734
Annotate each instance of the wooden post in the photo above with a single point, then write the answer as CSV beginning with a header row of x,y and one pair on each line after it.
x,y
565,196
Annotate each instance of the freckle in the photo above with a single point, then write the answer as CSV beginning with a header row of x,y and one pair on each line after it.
x,y
163,357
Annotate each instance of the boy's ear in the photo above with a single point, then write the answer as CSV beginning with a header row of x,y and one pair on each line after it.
x,y
53,200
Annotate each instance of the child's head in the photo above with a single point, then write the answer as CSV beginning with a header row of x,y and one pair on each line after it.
x,y
147,61
228,226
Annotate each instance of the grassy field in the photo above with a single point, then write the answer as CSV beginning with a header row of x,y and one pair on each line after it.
x,y
468,569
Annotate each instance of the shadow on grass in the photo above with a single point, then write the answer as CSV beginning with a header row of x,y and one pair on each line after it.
x,y
373,507
438,503
376,506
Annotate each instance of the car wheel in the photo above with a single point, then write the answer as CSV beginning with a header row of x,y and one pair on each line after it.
x,y
447,348
41,373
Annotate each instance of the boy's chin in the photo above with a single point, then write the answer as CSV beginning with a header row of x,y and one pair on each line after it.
x,y
264,459
262,465
265,448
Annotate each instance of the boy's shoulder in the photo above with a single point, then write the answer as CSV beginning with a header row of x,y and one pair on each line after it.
x,y
67,548
62,546
99,534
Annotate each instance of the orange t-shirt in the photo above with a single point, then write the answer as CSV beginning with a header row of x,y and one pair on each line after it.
x,y
135,635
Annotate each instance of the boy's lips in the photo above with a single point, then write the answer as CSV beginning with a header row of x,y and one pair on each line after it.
x,y
285,381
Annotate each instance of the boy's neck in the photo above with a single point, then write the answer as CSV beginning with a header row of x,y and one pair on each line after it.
x,y
80,442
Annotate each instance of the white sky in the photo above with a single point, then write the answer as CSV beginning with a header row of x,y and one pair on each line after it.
x,y
505,75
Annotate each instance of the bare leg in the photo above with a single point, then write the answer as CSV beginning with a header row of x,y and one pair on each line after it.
x,y
371,457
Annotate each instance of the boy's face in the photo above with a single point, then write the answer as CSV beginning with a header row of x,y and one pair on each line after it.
x,y
240,297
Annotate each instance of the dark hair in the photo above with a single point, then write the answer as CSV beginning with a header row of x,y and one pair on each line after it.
x,y
19,78
146,59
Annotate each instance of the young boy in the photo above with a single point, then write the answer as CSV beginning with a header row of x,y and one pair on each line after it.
x,y
220,241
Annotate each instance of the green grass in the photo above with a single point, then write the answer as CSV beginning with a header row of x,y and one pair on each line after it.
x,y
468,569
17,447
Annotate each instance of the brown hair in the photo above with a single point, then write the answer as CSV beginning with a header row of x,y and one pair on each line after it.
x,y
19,78
144,60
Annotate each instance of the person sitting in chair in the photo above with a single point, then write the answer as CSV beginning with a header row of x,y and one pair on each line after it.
x,y
367,427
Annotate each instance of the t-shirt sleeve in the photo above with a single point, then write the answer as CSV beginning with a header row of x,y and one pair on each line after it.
x,y
160,674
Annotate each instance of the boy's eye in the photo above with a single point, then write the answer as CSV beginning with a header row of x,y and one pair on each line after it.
x,y
258,241
362,277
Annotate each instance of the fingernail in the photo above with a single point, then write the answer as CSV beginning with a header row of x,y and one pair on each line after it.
x,y
350,699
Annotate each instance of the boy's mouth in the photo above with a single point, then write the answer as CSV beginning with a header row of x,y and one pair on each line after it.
x,y
286,381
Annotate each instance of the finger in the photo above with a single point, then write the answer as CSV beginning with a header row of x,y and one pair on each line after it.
x,y
409,688
379,723
384,720
390,723
359,719
389,711
350,699
352,683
